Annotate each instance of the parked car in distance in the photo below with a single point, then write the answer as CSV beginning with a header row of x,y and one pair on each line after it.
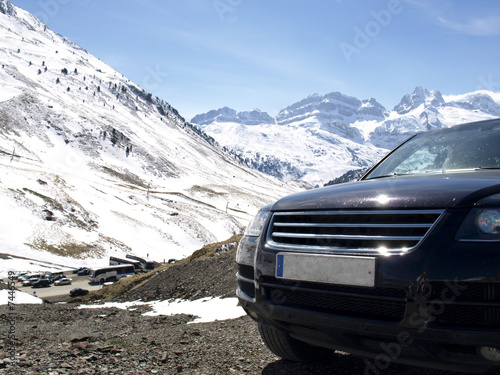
x,y
53,275
400,266
29,282
78,292
57,277
21,276
78,269
41,283
84,271
63,281
33,276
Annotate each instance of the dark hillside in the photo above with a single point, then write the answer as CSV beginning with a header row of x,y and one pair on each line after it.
x,y
192,280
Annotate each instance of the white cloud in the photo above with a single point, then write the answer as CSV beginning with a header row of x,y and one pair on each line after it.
x,y
449,15
487,26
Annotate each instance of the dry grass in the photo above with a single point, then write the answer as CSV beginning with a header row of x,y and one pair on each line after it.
x,y
203,189
128,177
52,202
68,249
209,250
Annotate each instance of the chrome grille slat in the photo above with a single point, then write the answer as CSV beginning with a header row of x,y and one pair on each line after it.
x,y
326,236
392,231
308,225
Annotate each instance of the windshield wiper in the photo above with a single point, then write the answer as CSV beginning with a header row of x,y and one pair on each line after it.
x,y
387,175
440,171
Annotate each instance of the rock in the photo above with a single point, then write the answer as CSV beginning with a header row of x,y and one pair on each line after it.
x,y
83,336
164,357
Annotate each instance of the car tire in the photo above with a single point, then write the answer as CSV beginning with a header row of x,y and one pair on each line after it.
x,y
286,347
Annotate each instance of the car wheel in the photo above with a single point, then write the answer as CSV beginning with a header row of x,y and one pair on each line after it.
x,y
286,347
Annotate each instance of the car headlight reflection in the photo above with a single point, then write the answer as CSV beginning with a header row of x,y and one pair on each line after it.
x,y
488,221
481,225
257,224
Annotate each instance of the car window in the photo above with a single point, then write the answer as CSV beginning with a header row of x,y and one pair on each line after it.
x,y
428,158
443,150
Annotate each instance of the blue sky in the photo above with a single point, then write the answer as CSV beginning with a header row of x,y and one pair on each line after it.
x,y
200,55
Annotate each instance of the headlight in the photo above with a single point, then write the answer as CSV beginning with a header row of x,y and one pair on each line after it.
x,y
257,224
482,224
488,221
248,244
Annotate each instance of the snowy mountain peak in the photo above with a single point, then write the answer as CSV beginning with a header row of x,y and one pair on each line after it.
x,y
371,107
314,95
337,96
226,114
7,8
330,108
255,117
419,96
479,101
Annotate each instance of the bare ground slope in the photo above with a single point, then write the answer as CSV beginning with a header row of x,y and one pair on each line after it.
x,y
58,338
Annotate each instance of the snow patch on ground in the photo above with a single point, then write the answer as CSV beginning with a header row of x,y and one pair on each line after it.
x,y
206,309
16,297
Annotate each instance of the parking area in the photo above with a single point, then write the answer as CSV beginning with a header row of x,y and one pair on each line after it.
x,y
60,290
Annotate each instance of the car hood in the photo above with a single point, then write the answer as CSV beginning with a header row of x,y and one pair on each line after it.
x,y
441,190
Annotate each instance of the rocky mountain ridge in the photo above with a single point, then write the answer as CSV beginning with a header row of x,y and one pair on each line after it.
x,y
226,114
7,8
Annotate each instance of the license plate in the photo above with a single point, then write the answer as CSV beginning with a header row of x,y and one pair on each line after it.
x,y
332,269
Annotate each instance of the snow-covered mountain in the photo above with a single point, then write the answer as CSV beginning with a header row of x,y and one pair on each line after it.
x,y
91,165
425,110
310,140
254,117
324,136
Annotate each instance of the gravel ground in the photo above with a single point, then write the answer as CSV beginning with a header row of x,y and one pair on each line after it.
x,y
56,338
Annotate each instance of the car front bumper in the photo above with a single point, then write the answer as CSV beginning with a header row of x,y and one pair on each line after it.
x,y
418,313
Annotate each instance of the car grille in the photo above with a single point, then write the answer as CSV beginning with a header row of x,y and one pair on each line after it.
x,y
393,231
246,280
384,304
465,304
246,271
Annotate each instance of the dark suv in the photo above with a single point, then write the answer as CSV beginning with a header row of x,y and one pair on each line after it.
x,y
400,266
42,283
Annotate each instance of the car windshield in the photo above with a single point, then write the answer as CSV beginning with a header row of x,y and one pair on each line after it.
x,y
472,146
